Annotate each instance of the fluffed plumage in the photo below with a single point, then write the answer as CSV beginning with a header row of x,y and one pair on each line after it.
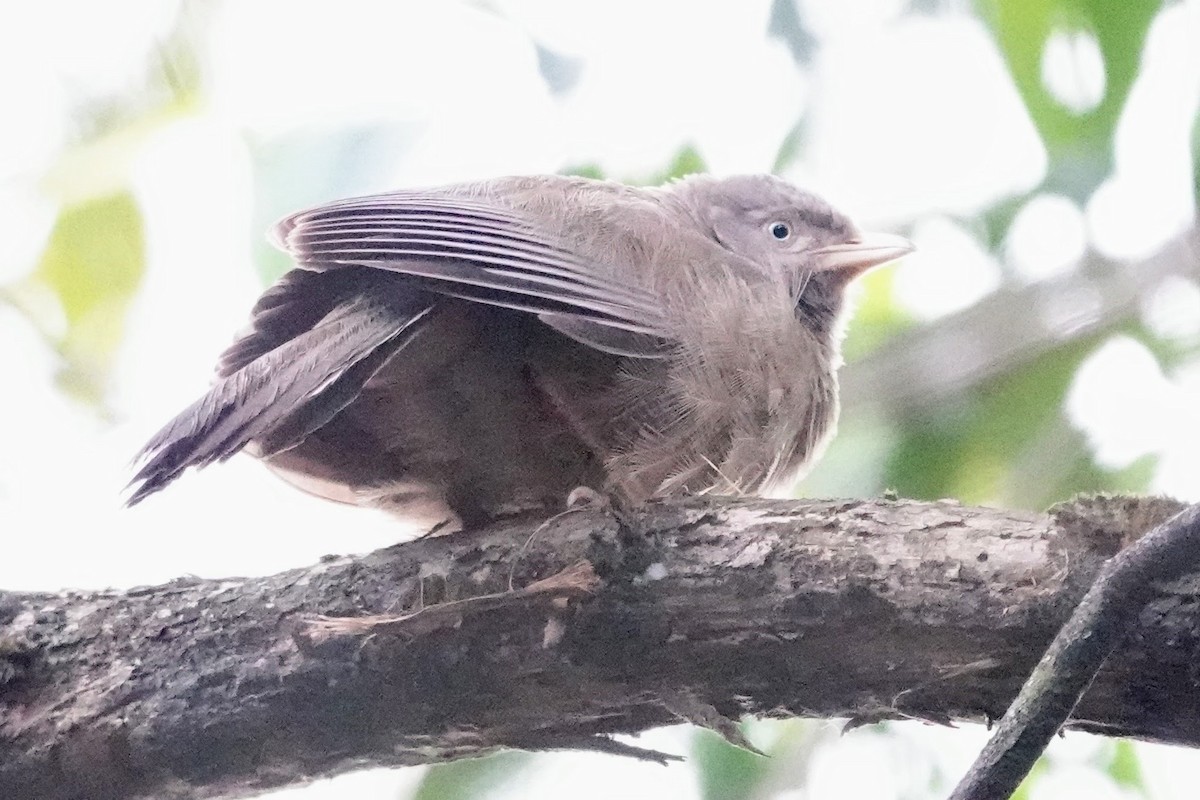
x,y
482,349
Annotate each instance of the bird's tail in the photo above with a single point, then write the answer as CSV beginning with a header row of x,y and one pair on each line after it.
x,y
280,396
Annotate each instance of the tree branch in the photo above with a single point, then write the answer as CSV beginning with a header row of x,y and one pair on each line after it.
x,y
1069,665
1012,326
862,609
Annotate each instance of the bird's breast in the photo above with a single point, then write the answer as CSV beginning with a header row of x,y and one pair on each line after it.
x,y
741,409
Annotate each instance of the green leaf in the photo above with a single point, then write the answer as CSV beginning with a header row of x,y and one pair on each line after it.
x,y
588,170
877,316
1025,790
1079,144
93,264
101,166
473,778
686,162
791,146
1018,422
928,459
1008,441
726,772
995,221
1125,768
1196,158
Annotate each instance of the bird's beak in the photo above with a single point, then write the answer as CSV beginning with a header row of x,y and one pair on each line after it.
x,y
862,253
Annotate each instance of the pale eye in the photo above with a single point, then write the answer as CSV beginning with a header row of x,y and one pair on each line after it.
x,y
780,230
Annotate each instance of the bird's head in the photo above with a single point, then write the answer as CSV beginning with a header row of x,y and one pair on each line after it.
x,y
787,231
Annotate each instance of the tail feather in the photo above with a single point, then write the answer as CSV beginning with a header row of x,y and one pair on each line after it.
x,y
283,395
292,305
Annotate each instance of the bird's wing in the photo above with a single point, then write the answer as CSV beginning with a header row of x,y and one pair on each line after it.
x,y
480,251
370,271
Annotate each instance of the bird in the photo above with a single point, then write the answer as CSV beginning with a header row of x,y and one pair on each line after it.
x,y
464,353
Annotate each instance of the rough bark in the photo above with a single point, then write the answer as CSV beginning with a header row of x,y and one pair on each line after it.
x,y
1097,626
702,609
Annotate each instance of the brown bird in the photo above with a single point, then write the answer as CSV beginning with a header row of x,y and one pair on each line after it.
x,y
482,349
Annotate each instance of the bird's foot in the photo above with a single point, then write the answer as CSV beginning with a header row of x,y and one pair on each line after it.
x,y
585,497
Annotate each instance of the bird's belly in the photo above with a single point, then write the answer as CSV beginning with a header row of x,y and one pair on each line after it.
x,y
745,429
460,423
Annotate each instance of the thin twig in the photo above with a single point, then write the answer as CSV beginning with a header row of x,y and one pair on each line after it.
x,y
1098,625
575,581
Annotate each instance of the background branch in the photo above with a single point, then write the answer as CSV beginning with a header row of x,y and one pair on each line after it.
x,y
863,609
1010,327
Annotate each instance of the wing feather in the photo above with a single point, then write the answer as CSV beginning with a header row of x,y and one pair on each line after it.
x,y
369,272
482,252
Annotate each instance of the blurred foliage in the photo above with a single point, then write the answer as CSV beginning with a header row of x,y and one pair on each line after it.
x,y
560,72
1007,442
790,148
94,259
1196,157
88,273
1117,759
877,315
351,162
94,262
686,161
1079,143
1120,761
1025,790
787,25
473,778
101,165
726,772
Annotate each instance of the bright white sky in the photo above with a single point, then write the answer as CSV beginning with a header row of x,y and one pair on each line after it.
x,y
909,118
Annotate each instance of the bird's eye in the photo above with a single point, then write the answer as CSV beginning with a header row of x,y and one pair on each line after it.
x,y
780,230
